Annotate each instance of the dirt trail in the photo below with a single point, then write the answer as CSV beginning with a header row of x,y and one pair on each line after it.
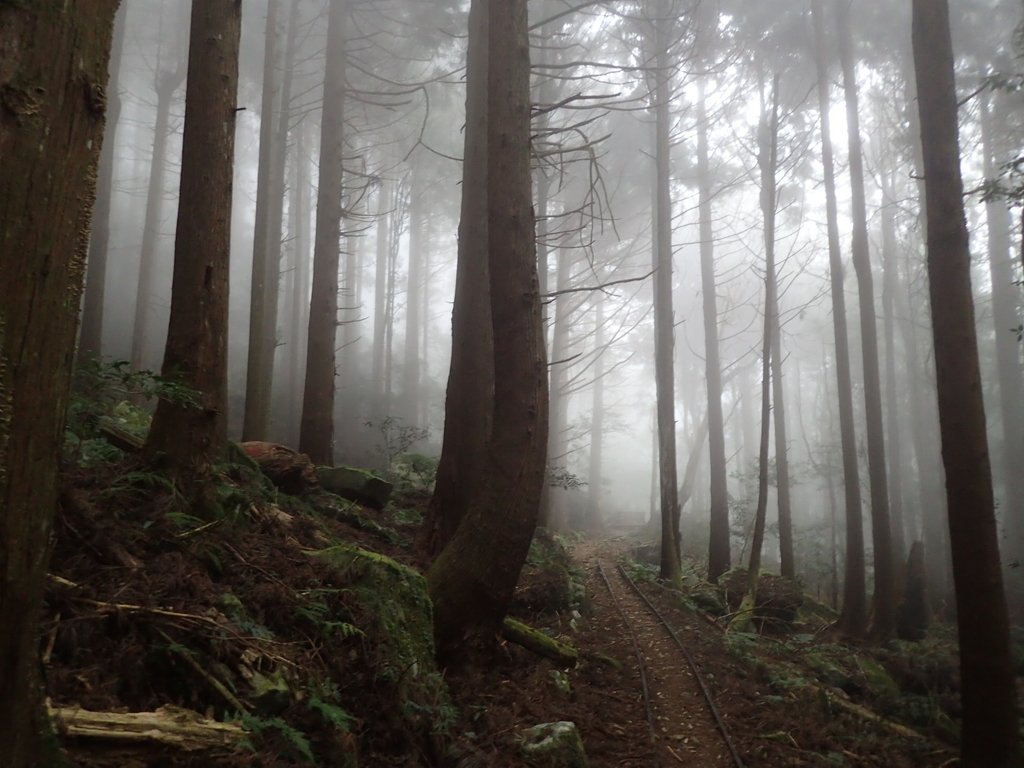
x,y
679,726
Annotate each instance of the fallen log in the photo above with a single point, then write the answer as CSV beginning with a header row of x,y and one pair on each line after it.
x,y
168,726
534,640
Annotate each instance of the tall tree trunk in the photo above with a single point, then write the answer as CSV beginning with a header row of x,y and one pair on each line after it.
x,y
298,230
166,84
413,301
767,159
50,149
854,617
385,202
467,416
558,437
595,521
890,289
90,342
664,337
260,364
884,603
472,581
990,735
787,566
316,437
719,557
192,438
1007,348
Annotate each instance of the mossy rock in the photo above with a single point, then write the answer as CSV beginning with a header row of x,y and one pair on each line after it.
x,y
355,485
553,745
397,615
778,599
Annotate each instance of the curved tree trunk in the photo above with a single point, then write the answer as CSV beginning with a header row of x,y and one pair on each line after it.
x,y
50,151
472,581
467,415
990,735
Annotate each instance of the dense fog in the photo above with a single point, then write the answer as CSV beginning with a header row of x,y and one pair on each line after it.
x,y
733,65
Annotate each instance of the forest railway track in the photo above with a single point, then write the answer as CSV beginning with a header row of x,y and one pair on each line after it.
x,y
671,696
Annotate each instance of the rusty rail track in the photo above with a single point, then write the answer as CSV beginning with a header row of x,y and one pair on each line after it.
x,y
691,662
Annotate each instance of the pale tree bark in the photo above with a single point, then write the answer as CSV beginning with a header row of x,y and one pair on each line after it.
x,y
190,439
472,581
1006,319
50,149
595,521
414,300
990,732
259,371
316,436
787,566
467,416
299,234
166,84
893,398
884,603
385,203
854,616
90,340
664,337
719,557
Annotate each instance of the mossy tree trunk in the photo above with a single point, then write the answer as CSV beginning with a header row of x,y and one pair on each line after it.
x,y
990,735
472,581
191,438
52,102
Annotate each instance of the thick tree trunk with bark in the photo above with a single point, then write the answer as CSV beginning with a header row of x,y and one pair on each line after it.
x,y
854,616
90,342
472,581
884,619
191,438
50,149
467,415
316,437
719,557
990,735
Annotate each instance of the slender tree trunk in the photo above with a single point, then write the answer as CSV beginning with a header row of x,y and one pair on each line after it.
x,y
719,557
782,485
558,438
316,436
50,149
259,368
595,521
768,149
854,617
299,232
260,364
90,341
166,84
192,438
467,416
385,203
884,603
413,303
1007,348
664,338
893,397
472,581
990,735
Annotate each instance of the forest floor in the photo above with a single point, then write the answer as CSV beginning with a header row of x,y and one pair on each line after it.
x,y
237,622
